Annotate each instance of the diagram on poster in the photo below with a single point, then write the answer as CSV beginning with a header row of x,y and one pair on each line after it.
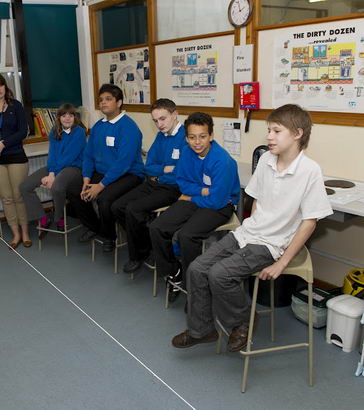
x,y
191,74
194,76
129,69
322,70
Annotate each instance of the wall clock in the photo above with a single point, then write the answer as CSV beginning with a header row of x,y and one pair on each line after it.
x,y
239,12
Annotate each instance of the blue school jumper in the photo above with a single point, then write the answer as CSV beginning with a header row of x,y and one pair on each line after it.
x,y
66,152
165,151
114,149
217,171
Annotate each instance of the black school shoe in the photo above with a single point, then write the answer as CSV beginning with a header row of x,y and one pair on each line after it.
x,y
175,279
132,266
86,236
150,261
108,245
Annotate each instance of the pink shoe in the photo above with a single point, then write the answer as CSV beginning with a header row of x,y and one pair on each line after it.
x,y
60,225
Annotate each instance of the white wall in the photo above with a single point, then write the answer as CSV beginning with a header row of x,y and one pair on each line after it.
x,y
337,149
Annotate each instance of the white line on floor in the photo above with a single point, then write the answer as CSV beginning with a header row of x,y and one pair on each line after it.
x,y
101,328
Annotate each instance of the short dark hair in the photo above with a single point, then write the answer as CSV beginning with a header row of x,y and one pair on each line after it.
x,y
293,117
163,104
112,89
200,118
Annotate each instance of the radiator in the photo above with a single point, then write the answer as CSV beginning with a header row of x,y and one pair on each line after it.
x,y
34,164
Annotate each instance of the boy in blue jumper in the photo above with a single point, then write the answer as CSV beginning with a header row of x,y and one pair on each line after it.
x,y
112,166
134,209
289,197
208,178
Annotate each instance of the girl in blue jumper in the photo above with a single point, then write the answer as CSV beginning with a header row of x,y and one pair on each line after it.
x,y
67,141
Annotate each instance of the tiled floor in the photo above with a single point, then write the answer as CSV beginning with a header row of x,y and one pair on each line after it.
x,y
74,335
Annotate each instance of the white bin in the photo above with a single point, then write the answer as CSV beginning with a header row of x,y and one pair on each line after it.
x,y
343,321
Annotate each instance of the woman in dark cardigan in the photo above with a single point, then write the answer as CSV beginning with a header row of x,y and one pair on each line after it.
x,y
13,164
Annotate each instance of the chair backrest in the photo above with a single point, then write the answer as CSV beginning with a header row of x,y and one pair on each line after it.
x,y
301,265
257,153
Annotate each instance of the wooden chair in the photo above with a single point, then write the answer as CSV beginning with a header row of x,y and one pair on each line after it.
x,y
301,265
65,233
232,224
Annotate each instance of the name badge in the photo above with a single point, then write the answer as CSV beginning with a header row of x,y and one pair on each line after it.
x,y
110,141
175,153
206,179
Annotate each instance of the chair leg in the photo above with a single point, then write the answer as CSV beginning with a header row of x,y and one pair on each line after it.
x,y
167,295
310,336
93,250
219,341
66,244
250,334
272,324
155,282
39,240
65,230
116,258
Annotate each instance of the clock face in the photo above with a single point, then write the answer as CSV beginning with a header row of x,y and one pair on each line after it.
x,y
239,12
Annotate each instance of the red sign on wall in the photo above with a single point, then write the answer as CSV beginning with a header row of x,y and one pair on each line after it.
x,y
249,96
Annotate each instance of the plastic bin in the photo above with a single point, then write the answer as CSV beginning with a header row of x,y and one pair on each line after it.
x,y
343,321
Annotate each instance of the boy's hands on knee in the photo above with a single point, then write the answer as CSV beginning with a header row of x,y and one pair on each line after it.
x,y
272,271
91,191
184,198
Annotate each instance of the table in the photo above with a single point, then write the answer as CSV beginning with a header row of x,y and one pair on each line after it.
x,y
342,212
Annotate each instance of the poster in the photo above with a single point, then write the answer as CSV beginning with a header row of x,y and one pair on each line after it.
x,y
129,70
191,73
320,67
194,71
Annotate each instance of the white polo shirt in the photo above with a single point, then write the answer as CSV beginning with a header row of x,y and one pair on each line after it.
x,y
284,199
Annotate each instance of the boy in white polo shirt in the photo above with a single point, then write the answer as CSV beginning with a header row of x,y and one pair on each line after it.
x,y
289,197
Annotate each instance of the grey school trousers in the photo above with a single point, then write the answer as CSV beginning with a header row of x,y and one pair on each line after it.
x,y
59,188
213,284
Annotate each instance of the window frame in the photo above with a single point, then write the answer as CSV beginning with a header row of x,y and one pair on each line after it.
x,y
152,43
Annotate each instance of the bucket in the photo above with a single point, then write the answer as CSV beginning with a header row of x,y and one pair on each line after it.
x,y
354,283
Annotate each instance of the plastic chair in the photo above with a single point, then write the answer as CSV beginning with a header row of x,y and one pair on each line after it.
x,y
301,265
232,224
65,233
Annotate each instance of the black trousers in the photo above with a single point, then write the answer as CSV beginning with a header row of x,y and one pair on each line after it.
x,y
133,212
194,225
104,225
